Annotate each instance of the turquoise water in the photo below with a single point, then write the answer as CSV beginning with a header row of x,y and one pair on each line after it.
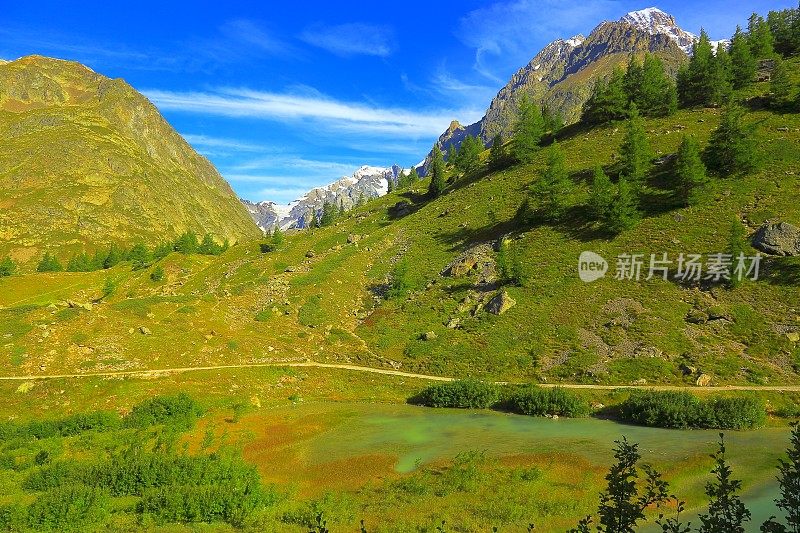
x,y
418,435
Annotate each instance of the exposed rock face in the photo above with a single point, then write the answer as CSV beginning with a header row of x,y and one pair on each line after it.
x,y
366,182
778,239
561,76
88,159
477,258
501,303
703,380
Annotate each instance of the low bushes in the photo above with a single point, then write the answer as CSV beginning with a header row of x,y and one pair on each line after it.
x,y
64,427
176,410
463,394
537,401
681,410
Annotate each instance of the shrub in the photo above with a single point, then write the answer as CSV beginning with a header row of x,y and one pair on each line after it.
x,y
175,410
64,427
538,401
70,508
463,394
266,247
680,409
157,274
49,263
7,267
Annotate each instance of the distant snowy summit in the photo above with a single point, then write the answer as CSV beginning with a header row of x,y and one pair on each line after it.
x,y
367,182
656,22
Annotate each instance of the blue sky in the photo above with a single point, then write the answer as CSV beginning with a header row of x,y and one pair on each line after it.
x,y
285,96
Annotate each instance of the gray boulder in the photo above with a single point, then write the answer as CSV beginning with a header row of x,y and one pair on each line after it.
x,y
500,303
778,239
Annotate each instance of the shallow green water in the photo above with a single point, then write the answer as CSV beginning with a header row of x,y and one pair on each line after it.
x,y
417,435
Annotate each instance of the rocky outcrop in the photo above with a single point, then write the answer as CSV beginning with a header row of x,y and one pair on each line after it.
x,y
478,258
501,303
778,239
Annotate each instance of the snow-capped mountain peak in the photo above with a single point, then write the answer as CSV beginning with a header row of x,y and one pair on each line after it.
x,y
656,22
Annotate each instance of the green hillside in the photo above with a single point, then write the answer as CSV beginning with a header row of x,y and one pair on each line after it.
x,y
330,304
88,161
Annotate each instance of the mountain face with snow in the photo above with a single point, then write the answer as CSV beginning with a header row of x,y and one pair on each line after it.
x,y
366,182
562,74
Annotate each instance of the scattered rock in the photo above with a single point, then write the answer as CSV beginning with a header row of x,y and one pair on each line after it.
x,y
696,316
429,336
353,238
78,305
400,209
145,331
289,269
678,217
310,254
640,382
454,323
793,336
703,380
500,303
784,129
687,369
778,239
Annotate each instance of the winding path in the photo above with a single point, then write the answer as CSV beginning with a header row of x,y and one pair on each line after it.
x,y
383,371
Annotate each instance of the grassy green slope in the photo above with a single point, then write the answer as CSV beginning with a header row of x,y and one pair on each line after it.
x,y
245,306
87,160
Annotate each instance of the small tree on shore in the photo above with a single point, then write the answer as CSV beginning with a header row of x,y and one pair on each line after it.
x,y
789,483
726,512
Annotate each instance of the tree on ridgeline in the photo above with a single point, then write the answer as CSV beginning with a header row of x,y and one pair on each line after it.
x,y
690,172
705,80
313,223
438,178
647,85
726,512
187,243
330,212
743,64
759,37
528,131
732,149
413,176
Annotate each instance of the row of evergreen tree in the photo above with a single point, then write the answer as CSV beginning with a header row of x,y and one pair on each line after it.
x,y
139,255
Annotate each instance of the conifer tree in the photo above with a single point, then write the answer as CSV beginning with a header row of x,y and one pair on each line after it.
x,y
328,216
726,512
759,37
781,86
553,188
528,131
706,79
690,172
277,235
722,77
313,223
413,176
187,243
7,267
732,148
99,259
743,64
452,155
389,185
438,179
608,100
469,155
114,256
553,120
361,200
601,195
80,262
789,483
49,263
656,96
635,152
785,28
140,256
498,155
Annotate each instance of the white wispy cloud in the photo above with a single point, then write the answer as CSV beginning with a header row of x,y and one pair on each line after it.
x,y
350,39
346,117
506,35
227,145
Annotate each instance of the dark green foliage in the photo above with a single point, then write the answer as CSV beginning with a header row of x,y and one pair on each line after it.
x,y
601,195
537,401
624,213
463,394
623,503
789,483
705,80
178,410
266,247
157,274
139,256
413,176
690,172
726,512
162,250
785,28
113,257
498,154
759,37
401,282
647,85
732,149
743,64
528,131
210,247
330,212
69,508
438,178
469,155
81,263
389,186
608,101
553,120
64,427
509,264
635,152
109,287
187,243
49,263
277,236
551,191
682,410
781,86
7,267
